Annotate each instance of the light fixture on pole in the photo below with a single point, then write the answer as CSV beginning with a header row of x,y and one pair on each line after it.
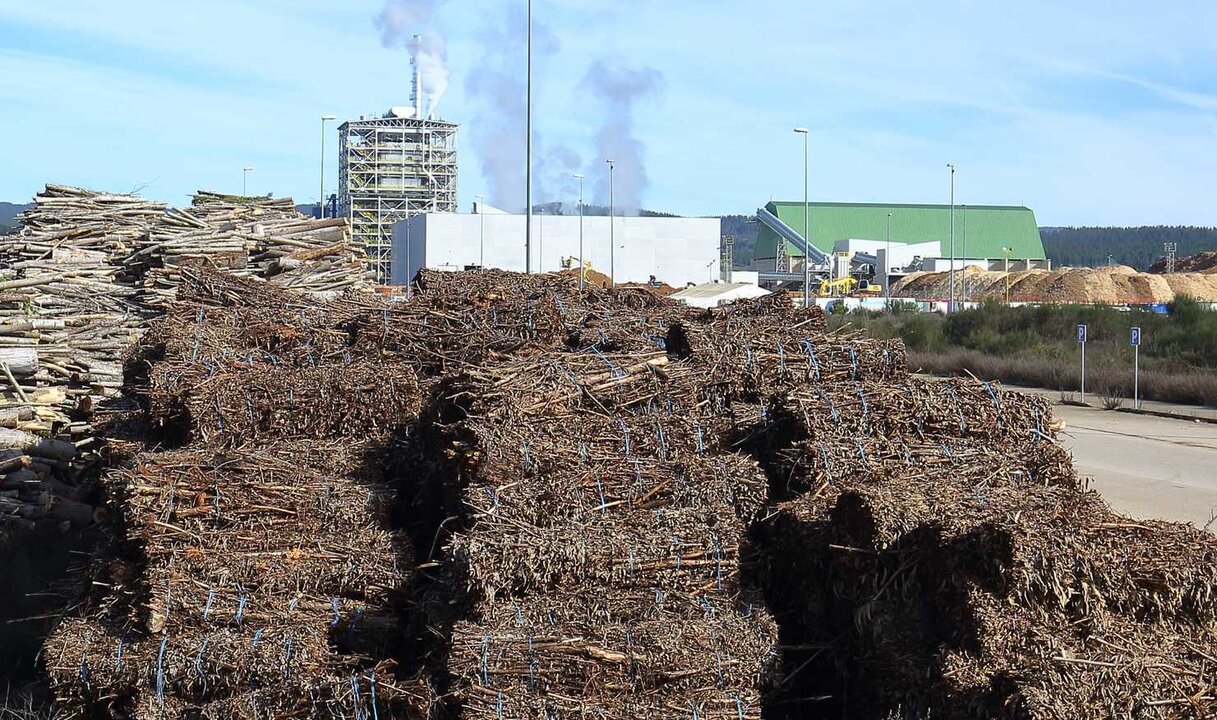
x,y
321,202
528,151
579,177
612,227
481,210
806,221
245,171
1007,252
951,296
887,265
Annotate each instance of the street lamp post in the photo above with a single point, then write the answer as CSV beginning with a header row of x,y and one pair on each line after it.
x,y
579,177
887,265
612,227
245,171
321,202
1007,252
963,282
528,153
806,222
481,231
951,296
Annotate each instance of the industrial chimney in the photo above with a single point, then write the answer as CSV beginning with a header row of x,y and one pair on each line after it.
x,y
418,79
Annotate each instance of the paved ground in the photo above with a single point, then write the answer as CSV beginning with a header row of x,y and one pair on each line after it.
x,y
1145,466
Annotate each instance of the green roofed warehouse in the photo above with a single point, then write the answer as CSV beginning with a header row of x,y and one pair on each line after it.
x,y
981,231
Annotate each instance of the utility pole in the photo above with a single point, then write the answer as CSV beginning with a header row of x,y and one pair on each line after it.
x,y
528,154
887,265
579,177
321,202
245,171
806,133
951,297
481,202
612,227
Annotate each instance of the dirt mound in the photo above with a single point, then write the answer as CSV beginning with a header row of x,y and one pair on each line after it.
x,y
1118,285
1205,262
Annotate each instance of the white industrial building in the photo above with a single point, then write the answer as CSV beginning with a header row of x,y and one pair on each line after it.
x,y
676,251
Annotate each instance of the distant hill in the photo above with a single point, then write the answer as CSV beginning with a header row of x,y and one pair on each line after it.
x,y
8,215
1138,247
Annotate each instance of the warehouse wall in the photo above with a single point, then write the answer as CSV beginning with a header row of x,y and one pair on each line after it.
x,y
677,251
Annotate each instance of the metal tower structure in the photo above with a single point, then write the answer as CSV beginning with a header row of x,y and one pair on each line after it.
x,y
392,168
1170,249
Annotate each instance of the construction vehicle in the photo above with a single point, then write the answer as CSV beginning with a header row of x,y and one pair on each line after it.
x,y
848,287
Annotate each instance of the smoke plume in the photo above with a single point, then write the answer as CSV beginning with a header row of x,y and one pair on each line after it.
x,y
618,90
497,87
407,24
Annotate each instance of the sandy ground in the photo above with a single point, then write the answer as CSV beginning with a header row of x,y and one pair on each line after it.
x,y
1146,467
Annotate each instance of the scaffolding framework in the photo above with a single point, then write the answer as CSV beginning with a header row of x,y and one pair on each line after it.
x,y
390,169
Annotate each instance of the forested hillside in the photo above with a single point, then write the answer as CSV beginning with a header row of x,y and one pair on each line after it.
x,y
1136,246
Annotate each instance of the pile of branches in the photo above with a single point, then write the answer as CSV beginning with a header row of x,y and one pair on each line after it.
x,y
79,283
253,570
547,502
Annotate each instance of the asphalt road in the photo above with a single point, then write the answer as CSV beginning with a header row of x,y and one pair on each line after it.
x,y
1146,467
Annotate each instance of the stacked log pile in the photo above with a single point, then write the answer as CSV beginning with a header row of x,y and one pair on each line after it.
x,y
254,573
79,283
615,507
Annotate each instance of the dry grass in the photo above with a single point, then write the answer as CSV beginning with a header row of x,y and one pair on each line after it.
x,y
1192,388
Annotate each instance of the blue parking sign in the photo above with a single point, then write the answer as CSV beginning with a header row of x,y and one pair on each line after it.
x,y
1134,337
1081,333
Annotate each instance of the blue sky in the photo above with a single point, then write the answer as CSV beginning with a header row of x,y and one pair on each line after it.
x,y
1090,112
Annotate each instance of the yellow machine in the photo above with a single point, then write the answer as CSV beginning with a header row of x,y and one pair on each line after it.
x,y
840,287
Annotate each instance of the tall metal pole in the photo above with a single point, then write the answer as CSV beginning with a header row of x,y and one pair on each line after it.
x,y
245,180
951,298
887,266
321,202
806,221
528,154
481,231
612,228
963,282
581,265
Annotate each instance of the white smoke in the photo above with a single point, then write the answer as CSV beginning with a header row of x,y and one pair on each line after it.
x,y
407,24
619,90
497,86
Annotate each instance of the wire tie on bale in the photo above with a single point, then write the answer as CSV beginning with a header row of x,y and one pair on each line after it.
x,y
118,658
532,665
291,606
527,457
372,683
499,704
520,621
832,409
996,401
676,541
718,565
486,659
494,501
824,456
963,423
257,638
719,657
853,361
288,647
211,595
739,706
198,665
337,616
356,700
861,450
160,671
865,409
781,356
701,443
811,356
241,601
603,503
